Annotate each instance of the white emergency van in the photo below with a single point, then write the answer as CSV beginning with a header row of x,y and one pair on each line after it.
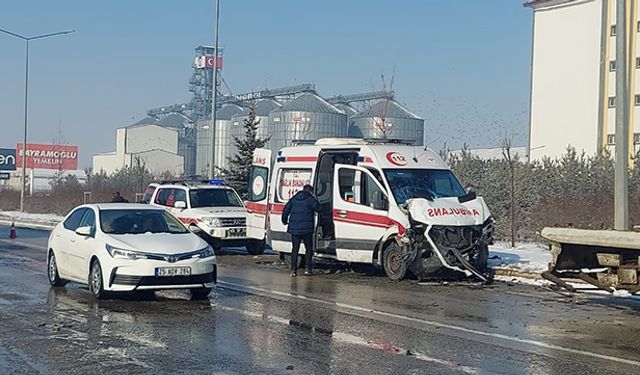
x,y
394,205
208,208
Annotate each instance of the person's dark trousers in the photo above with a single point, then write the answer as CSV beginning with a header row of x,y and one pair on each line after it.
x,y
307,239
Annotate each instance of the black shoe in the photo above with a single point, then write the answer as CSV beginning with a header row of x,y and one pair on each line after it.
x,y
294,274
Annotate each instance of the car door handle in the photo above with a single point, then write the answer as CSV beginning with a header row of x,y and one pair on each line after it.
x,y
73,240
342,213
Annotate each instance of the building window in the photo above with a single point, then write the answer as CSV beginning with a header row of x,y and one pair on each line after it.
x,y
612,102
636,138
612,66
613,30
611,139
637,62
636,100
638,27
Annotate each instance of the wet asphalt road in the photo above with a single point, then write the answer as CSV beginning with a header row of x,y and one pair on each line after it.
x,y
259,320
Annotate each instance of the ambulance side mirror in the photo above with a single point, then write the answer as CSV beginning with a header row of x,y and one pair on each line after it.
x,y
380,201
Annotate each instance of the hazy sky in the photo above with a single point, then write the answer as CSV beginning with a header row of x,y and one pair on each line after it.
x,y
463,65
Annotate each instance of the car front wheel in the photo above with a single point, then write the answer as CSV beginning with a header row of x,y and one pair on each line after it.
x,y
200,293
52,268
95,280
255,247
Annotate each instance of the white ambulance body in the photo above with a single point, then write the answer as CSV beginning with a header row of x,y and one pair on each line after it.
x,y
388,204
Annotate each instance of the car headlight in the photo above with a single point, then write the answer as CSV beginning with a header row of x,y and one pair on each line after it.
x,y
211,221
206,252
124,254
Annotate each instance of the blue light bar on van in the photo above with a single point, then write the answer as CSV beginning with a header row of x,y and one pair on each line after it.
x,y
216,182
281,159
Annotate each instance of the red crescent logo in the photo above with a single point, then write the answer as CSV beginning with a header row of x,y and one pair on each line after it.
x,y
396,159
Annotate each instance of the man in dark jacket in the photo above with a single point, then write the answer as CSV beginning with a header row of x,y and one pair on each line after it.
x,y
299,215
117,198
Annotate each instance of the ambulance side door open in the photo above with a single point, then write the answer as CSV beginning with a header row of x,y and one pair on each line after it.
x,y
258,194
360,213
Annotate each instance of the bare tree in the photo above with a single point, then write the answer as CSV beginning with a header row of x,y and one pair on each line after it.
x,y
506,144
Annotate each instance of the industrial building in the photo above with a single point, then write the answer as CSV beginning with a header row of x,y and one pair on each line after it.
x,y
573,76
148,143
287,115
224,141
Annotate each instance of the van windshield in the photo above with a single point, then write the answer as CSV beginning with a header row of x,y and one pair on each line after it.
x,y
422,183
214,198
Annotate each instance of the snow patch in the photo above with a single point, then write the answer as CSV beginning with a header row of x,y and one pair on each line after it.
x,y
525,257
30,218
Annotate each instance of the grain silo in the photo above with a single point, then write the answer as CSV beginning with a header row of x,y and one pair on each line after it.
x,y
306,118
387,119
224,142
186,138
262,107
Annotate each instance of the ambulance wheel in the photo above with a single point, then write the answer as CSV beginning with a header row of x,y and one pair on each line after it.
x,y
394,263
255,247
479,258
300,261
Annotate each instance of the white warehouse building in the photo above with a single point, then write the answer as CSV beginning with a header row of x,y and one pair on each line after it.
x,y
154,145
573,76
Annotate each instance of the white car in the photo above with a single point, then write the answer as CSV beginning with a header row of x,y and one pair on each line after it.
x,y
120,247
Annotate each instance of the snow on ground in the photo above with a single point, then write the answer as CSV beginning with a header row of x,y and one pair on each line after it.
x,y
26,217
525,257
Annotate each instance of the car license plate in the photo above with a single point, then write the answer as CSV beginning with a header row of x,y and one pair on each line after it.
x,y
237,232
173,271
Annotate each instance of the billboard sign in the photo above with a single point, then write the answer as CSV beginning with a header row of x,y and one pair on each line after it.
x,y
39,156
7,159
206,62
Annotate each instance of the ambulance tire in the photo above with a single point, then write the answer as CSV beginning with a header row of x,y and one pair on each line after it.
x,y
393,262
255,247
480,258
300,260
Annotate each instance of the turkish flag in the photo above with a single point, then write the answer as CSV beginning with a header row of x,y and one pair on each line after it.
x,y
209,62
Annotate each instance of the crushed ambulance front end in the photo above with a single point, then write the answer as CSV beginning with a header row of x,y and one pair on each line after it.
x,y
449,237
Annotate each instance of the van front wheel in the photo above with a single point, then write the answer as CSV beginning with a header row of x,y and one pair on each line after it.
x,y
394,263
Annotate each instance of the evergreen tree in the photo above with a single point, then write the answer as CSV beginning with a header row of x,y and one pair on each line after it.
x,y
237,172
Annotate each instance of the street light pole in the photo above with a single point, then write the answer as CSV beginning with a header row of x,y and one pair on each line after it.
x,y
214,95
26,103
621,180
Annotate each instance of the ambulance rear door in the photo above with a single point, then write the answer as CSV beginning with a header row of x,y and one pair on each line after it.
x,y
258,194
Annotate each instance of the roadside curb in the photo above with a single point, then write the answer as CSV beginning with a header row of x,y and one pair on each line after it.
x,y
26,224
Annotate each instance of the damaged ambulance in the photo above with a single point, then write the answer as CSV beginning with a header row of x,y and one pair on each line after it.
x,y
384,203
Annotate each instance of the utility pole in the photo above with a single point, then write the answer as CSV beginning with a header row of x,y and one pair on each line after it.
x,y
621,221
214,95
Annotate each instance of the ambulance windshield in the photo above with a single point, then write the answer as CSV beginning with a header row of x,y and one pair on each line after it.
x,y
422,183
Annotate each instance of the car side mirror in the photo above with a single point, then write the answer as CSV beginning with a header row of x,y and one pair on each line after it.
x,y
84,231
380,201
180,204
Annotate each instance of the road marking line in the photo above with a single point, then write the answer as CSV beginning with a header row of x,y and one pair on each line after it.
x,y
348,338
256,290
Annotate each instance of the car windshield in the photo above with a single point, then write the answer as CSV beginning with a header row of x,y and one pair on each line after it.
x,y
139,221
422,183
214,198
